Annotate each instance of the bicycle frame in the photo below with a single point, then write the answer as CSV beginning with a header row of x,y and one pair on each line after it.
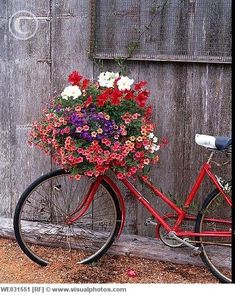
x,y
180,213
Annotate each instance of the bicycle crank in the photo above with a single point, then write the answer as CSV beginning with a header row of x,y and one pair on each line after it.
x,y
196,250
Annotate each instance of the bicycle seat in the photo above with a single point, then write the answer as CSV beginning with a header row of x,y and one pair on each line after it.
x,y
214,142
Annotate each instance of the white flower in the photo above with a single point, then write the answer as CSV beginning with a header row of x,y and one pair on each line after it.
x,y
151,135
155,139
124,83
155,147
71,91
106,79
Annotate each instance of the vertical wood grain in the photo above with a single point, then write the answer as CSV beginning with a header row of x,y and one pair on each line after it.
x,y
5,125
28,94
5,165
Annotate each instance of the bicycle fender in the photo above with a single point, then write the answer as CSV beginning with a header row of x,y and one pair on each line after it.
x,y
121,201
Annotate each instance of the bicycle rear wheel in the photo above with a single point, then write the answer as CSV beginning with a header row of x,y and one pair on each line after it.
x,y
40,220
216,251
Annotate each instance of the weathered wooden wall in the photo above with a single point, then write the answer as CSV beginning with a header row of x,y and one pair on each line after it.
x,y
188,98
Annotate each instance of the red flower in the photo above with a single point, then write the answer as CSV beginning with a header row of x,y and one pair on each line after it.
x,y
140,85
149,112
74,78
88,101
103,97
142,97
116,146
116,96
101,169
129,94
138,145
78,160
85,84
141,100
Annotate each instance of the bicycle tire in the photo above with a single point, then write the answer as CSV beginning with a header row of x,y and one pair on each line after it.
x,y
215,256
37,218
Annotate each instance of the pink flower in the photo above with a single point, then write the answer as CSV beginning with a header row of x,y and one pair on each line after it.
x,y
133,170
120,175
79,129
116,146
88,173
80,150
135,116
86,127
146,161
77,177
78,160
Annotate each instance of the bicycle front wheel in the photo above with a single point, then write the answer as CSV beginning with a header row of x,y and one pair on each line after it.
x,y
216,216
42,213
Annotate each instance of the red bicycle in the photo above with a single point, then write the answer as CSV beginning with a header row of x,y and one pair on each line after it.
x,y
87,216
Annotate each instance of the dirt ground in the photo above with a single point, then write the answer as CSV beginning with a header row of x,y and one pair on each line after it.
x,y
17,268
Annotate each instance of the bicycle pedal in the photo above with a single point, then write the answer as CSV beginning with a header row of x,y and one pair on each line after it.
x,y
150,221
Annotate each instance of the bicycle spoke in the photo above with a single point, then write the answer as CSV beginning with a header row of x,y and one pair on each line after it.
x,y
216,250
46,212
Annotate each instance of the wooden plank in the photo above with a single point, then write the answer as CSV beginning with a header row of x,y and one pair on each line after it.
x,y
5,183
209,112
131,245
69,51
31,92
28,95
29,164
167,95
3,31
3,9
6,227
35,48
39,8
5,127
168,58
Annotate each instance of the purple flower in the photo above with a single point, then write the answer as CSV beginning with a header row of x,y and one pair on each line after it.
x,y
85,134
58,108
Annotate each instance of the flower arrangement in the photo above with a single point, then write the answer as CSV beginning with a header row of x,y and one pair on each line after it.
x,y
95,126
